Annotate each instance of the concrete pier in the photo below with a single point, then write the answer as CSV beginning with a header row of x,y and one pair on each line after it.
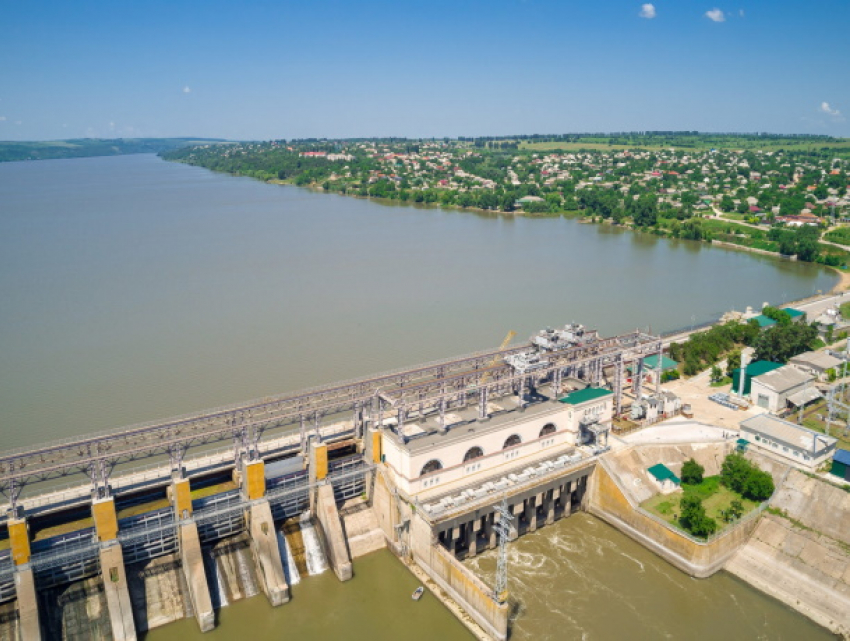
x,y
29,626
267,553
117,592
196,577
19,542
329,519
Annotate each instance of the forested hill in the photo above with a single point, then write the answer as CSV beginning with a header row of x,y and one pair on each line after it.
x,y
83,147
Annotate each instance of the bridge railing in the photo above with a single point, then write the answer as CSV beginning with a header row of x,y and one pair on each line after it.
x,y
245,405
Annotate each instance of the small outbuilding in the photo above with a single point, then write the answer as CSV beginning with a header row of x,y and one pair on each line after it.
x,y
665,479
651,370
763,321
796,315
794,443
781,387
817,364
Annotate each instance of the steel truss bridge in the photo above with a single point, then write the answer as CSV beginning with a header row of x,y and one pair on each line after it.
x,y
437,386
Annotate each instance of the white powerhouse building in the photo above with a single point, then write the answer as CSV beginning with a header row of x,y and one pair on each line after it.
x,y
425,457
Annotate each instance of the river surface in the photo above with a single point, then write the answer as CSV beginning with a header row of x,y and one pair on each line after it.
x,y
134,289
582,579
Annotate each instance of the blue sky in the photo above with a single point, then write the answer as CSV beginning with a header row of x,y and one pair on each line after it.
x,y
261,70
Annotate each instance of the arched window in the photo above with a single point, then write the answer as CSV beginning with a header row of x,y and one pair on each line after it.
x,y
473,453
431,466
512,441
549,428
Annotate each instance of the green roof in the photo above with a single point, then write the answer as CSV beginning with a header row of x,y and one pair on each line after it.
x,y
584,395
663,473
757,368
793,313
651,362
764,321
742,441
753,369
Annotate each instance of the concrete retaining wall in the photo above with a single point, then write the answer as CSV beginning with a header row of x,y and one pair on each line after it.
x,y
802,557
606,501
467,590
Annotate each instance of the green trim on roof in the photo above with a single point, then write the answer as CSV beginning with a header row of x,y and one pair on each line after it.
x,y
764,321
663,473
753,369
651,363
793,313
584,395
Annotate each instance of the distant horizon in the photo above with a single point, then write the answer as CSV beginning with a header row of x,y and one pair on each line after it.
x,y
437,138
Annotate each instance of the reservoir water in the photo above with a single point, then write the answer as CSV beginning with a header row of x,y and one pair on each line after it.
x,y
135,289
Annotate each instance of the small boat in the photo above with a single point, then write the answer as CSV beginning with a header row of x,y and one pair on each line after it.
x,y
417,594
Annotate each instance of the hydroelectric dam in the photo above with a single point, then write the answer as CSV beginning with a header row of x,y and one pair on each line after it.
x,y
110,534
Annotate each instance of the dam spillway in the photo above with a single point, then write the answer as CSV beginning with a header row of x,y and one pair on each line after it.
x,y
203,525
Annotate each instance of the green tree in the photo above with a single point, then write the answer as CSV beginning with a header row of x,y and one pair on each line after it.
x,y
758,486
716,374
692,472
733,362
781,342
734,472
693,517
779,315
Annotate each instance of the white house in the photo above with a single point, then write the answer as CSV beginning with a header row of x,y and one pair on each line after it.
x,y
798,445
785,385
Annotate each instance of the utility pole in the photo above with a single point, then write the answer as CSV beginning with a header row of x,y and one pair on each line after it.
x,y
503,529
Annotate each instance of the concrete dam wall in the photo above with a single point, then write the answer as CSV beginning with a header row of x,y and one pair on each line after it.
x,y
800,551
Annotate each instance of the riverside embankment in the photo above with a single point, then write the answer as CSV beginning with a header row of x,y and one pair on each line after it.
x,y
797,549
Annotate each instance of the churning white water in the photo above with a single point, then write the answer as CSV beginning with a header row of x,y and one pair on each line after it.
x,y
313,551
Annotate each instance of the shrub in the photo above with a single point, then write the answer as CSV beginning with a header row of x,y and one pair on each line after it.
x,y
745,478
758,486
693,517
692,472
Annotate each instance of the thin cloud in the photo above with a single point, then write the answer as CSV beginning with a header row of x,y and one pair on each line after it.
x,y
827,109
2,118
741,12
647,11
716,15
187,89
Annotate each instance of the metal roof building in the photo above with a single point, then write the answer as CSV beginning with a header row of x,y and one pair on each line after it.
x,y
756,368
795,444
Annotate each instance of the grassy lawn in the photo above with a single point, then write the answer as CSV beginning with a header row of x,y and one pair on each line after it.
x,y
813,421
722,382
714,497
839,235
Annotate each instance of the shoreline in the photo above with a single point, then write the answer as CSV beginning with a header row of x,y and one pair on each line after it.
x,y
843,283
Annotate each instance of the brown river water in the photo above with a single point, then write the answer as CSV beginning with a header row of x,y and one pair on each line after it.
x,y
135,289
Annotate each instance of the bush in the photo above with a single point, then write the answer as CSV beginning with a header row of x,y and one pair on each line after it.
x,y
693,517
741,476
758,486
692,472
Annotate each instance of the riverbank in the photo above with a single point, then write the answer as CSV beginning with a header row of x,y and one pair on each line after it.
x,y
658,231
